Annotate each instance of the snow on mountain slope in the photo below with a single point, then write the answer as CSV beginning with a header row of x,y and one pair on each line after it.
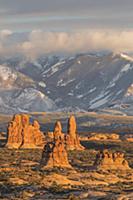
x,y
91,81
10,78
6,73
19,93
85,81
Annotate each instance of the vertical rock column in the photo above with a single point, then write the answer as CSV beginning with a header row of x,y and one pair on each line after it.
x,y
38,135
14,133
27,133
55,154
71,139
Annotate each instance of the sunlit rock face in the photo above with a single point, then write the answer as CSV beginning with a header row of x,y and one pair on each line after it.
x,y
106,160
71,138
103,136
39,138
22,134
55,154
58,131
15,132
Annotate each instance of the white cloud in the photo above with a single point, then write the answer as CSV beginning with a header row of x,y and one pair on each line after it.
x,y
40,42
5,33
48,42
3,39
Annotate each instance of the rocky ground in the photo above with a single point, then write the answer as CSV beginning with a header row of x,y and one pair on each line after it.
x,y
22,178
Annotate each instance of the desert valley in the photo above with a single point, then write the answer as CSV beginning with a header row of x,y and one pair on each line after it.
x,y
44,156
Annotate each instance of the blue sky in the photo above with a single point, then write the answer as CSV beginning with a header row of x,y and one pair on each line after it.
x,y
70,26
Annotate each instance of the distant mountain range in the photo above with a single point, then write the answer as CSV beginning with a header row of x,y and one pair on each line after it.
x,y
50,83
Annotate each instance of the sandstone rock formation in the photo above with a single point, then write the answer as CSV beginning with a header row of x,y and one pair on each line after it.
x,y
55,154
49,136
71,138
15,132
22,134
57,134
104,136
106,160
38,135
128,137
27,133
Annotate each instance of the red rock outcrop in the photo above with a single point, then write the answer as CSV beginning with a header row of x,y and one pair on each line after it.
x,y
104,136
38,135
15,132
27,133
106,160
22,134
57,134
128,137
55,154
49,136
71,138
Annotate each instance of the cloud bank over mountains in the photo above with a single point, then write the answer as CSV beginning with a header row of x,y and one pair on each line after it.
x,y
39,42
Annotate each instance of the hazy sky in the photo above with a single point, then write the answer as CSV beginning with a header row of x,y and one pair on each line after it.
x,y
22,15
36,26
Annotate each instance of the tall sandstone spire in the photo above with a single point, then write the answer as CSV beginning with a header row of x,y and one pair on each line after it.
x,y
55,154
71,138
22,134
14,132
39,138
58,131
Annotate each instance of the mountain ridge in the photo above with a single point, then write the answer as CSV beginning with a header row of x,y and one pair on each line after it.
x,y
84,81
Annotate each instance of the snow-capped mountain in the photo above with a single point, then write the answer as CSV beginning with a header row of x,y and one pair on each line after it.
x,y
85,81
19,93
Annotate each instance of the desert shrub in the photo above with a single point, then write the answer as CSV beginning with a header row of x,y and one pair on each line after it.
x,y
56,188
120,185
73,197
